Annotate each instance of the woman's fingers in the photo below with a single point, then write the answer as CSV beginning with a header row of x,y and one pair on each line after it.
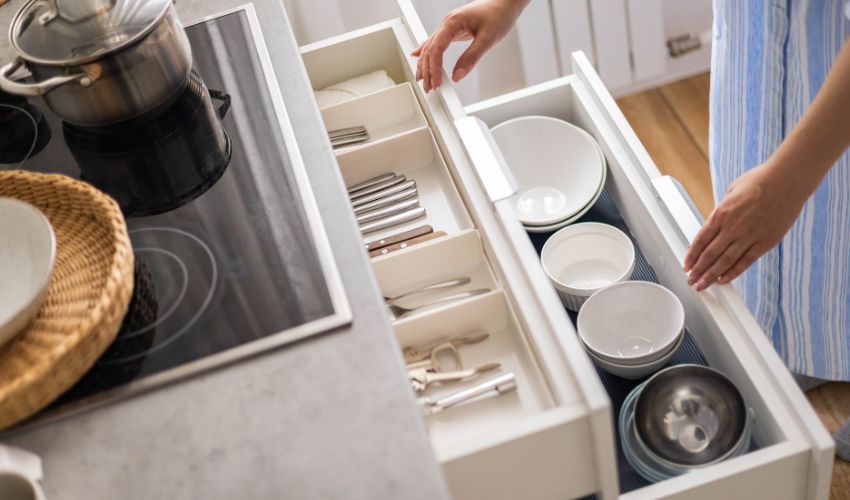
x,y
470,58
722,265
704,237
709,256
419,62
439,43
751,255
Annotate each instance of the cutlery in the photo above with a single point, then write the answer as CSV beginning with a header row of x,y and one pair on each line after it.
x,y
429,356
375,188
349,141
369,182
421,378
400,312
442,285
399,238
497,386
383,202
345,132
405,244
387,211
392,221
397,188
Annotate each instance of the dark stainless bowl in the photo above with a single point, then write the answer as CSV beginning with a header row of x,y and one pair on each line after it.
x,y
691,415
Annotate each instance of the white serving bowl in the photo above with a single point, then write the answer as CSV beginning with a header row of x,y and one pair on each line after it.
x,y
557,166
583,258
637,371
632,322
27,256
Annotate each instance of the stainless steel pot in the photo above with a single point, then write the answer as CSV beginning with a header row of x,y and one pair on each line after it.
x,y
99,62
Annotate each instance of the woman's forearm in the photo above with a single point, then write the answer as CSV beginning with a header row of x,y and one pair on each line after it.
x,y
822,135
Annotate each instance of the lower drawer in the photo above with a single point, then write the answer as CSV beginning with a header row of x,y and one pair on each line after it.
x,y
787,434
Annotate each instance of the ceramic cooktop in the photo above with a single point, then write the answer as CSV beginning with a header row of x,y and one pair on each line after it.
x,y
231,255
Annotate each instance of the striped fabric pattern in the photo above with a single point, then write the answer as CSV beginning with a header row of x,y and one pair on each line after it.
x,y
770,58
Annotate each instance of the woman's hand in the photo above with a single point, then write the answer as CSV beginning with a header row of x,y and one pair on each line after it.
x,y
759,208
485,22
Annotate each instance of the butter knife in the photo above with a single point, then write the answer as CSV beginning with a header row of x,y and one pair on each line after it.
x,y
377,195
378,187
386,201
392,221
387,211
369,182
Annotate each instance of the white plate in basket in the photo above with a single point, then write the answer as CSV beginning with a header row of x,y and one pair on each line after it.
x,y
27,257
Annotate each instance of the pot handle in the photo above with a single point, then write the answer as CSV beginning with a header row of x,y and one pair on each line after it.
x,y
224,97
37,88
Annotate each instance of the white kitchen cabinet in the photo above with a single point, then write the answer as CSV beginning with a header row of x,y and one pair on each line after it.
x,y
554,437
573,32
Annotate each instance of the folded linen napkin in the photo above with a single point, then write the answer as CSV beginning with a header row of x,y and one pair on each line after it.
x,y
353,88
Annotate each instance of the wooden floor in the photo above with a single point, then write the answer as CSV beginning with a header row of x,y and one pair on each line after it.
x,y
672,122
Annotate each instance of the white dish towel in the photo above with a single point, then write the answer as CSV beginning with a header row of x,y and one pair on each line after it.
x,y
351,89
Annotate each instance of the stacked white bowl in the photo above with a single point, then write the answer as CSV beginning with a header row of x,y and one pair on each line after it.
x,y
559,168
632,329
583,258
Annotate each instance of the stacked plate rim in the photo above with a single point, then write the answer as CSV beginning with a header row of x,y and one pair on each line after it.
x,y
539,149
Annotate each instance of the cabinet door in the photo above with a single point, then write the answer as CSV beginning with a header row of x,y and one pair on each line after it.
x,y
571,19
649,50
610,33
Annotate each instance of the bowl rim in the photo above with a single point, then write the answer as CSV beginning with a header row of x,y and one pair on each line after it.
x,y
665,357
630,283
551,228
47,271
602,165
746,430
638,361
582,291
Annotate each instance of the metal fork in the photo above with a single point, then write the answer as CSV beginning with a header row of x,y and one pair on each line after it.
x,y
442,285
399,312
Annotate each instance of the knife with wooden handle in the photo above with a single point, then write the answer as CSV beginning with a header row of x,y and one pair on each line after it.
x,y
392,221
398,238
406,244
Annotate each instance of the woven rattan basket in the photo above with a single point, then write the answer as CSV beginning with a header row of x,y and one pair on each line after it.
x,y
86,299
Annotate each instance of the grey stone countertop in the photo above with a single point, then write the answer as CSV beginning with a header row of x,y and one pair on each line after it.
x,y
331,417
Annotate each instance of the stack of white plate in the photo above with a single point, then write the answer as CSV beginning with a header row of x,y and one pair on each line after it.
x,y
633,328
559,168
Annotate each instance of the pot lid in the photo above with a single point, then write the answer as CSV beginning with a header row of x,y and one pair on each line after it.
x,y
61,32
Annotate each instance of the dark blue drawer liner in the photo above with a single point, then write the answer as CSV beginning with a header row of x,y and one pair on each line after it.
x,y
606,211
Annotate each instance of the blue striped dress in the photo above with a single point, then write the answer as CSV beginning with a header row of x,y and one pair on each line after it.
x,y
770,57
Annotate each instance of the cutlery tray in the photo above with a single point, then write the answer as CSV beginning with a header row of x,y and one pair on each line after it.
x,y
386,113
606,212
413,154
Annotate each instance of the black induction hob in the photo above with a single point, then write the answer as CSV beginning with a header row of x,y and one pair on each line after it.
x,y
231,255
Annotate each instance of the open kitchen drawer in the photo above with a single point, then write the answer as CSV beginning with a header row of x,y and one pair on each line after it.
x,y
564,445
